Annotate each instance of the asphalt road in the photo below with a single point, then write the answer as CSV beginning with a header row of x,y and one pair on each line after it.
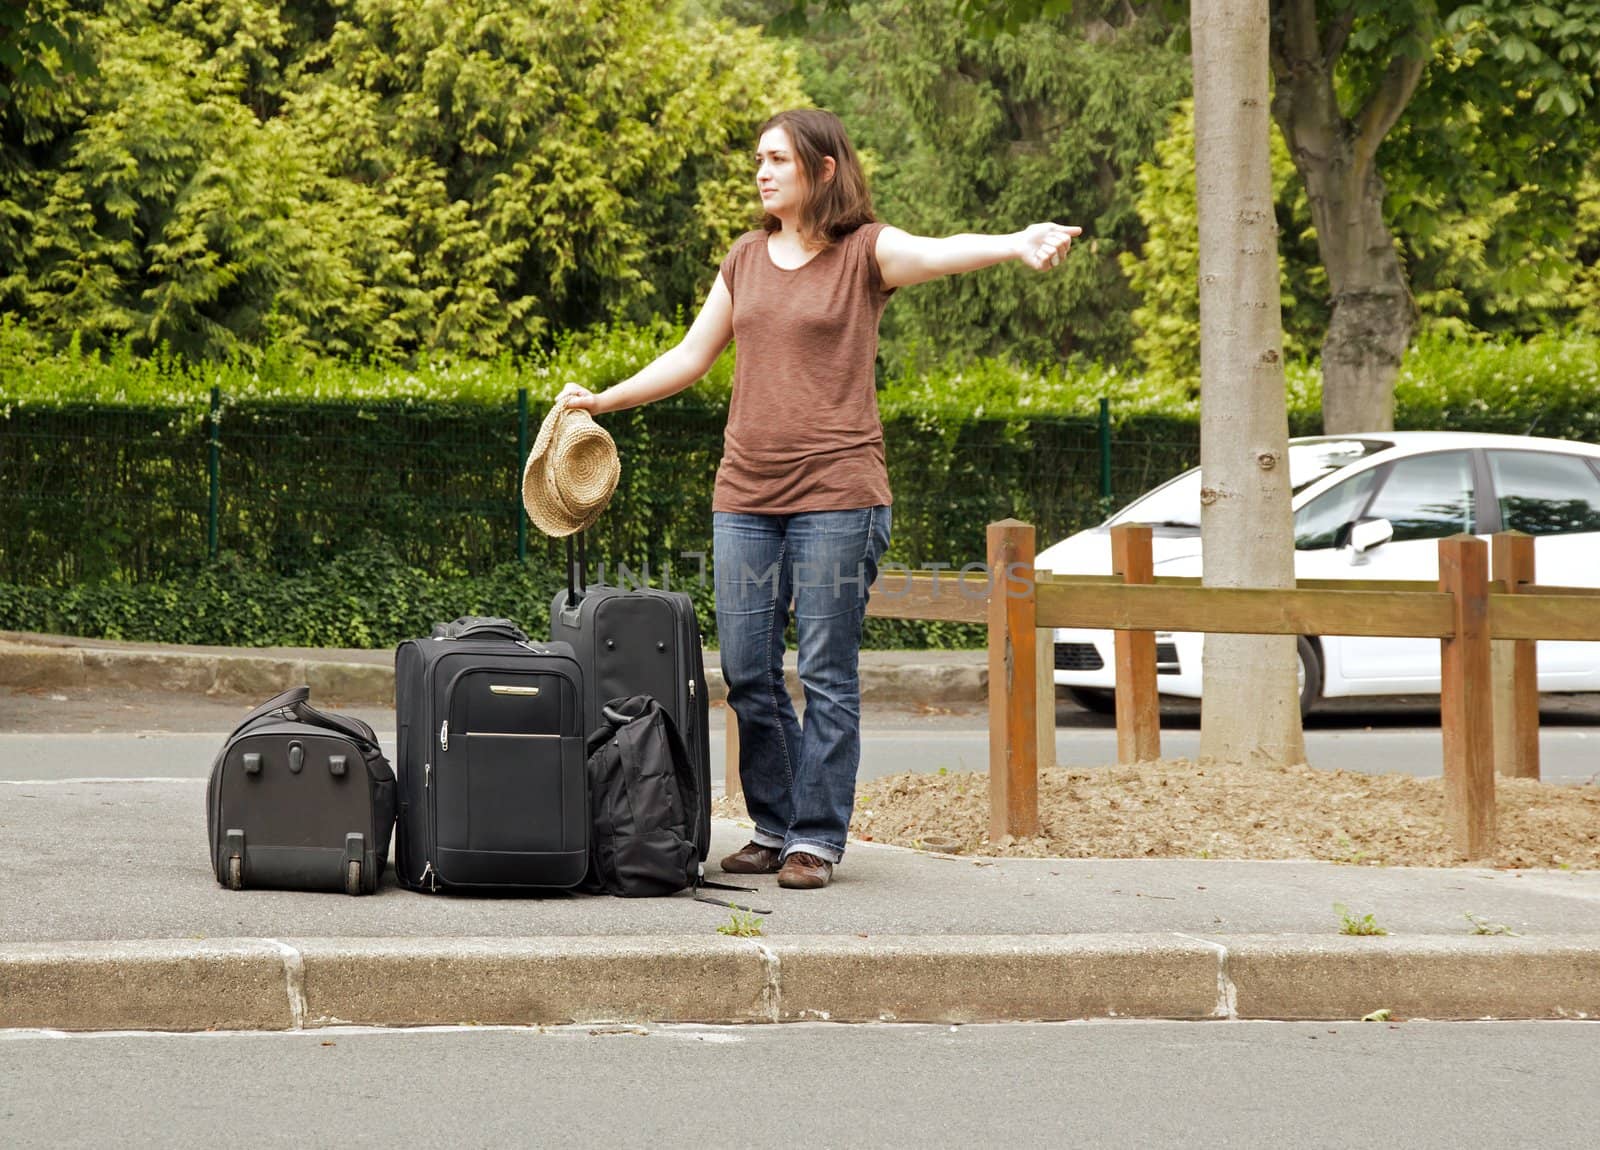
x,y
1156,1084
130,734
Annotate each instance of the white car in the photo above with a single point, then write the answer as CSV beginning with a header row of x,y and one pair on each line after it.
x,y
1367,507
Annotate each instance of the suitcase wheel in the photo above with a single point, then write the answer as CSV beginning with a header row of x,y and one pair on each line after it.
x,y
355,849
233,869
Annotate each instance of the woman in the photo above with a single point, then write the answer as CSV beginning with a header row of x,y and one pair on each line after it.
x,y
801,505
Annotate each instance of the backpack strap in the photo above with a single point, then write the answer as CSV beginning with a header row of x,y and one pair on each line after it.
x,y
731,905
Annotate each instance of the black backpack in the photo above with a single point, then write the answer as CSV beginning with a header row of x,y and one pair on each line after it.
x,y
641,795
644,802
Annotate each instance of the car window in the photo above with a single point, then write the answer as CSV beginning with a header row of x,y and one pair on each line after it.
x,y
1543,493
1427,496
1316,525
1309,462
1175,505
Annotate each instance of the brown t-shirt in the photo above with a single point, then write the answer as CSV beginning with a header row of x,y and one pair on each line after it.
x,y
803,430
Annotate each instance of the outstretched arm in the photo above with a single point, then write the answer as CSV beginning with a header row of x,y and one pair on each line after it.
x,y
672,370
905,259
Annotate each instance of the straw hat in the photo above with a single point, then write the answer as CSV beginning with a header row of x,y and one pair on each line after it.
x,y
571,472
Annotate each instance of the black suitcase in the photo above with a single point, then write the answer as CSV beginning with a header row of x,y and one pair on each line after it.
x,y
640,642
300,800
493,792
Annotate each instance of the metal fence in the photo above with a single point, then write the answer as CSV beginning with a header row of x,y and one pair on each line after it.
x,y
94,491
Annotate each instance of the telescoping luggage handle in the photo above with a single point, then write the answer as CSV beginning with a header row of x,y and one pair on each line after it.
x,y
577,568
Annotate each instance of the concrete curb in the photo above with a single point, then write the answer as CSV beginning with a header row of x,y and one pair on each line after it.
x,y
291,984
244,676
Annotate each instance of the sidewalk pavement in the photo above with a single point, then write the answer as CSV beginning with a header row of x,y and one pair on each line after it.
x,y
110,919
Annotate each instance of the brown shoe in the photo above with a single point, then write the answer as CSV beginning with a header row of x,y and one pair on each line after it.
x,y
753,858
802,871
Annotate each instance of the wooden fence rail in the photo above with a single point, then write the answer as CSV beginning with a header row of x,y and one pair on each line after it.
x,y
1467,612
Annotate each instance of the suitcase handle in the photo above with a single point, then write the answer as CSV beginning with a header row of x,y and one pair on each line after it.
x,y
283,701
498,630
577,569
295,700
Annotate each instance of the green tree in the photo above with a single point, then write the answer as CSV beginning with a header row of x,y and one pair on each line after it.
x,y
1348,76
1347,71
1165,269
1048,122
381,177
973,132
40,43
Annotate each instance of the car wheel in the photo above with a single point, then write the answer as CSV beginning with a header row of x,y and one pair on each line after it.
x,y
1097,699
1309,674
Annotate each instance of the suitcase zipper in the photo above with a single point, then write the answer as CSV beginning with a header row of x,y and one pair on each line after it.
x,y
444,735
429,875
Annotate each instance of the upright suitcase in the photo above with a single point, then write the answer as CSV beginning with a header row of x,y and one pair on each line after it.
x,y
640,642
301,800
493,792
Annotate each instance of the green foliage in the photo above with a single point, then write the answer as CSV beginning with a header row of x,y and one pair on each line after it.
x,y
1586,243
40,42
1488,173
362,598
358,504
1542,386
1487,249
32,370
742,924
368,597
1350,924
971,133
1552,50
1165,271
380,178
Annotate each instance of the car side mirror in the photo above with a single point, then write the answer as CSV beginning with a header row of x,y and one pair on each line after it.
x,y
1370,533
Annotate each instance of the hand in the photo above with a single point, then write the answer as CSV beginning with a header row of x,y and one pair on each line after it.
x,y
1041,246
578,396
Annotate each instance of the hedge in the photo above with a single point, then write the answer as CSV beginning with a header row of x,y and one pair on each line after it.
x,y
404,480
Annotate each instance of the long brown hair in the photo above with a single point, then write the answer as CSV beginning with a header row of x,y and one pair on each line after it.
x,y
833,208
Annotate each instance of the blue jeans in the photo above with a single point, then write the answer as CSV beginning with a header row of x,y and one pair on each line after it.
x,y
799,782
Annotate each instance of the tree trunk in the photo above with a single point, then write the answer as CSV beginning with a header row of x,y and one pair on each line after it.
x,y
1373,314
1250,708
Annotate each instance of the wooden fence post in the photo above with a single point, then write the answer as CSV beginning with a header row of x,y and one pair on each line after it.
x,y
1516,669
731,754
1466,703
1138,707
1013,683
1045,661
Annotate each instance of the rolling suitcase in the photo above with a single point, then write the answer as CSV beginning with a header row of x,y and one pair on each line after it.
x,y
301,800
640,642
493,791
